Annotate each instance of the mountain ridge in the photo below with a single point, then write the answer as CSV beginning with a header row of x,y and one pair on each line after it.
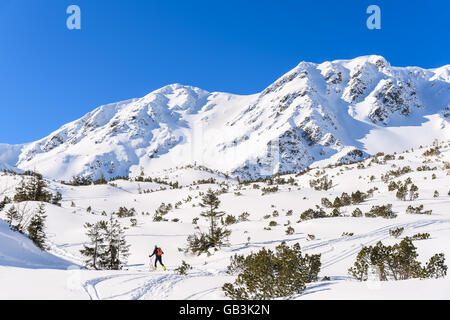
x,y
342,110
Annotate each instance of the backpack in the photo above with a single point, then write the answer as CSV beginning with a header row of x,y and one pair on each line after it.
x,y
160,252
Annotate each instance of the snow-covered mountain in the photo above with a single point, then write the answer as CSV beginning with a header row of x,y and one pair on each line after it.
x,y
334,111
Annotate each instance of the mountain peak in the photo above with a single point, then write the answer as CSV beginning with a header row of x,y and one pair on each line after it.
x,y
379,61
177,86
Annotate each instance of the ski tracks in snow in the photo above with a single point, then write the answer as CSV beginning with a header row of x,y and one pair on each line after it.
x,y
154,286
161,287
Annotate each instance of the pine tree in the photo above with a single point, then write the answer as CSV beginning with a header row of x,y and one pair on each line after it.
x,y
117,249
95,252
21,192
326,203
435,268
12,215
357,213
290,230
413,194
56,199
402,191
181,270
212,202
4,202
337,202
36,228
335,212
346,200
201,242
108,248
407,264
358,197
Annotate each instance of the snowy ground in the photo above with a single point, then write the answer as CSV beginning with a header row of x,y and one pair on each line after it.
x,y
27,273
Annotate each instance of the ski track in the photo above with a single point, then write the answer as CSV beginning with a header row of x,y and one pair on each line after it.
x,y
160,288
201,294
90,286
157,287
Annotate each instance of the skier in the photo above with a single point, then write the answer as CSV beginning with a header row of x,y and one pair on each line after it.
x,y
158,254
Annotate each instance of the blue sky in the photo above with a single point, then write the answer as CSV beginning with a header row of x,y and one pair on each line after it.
x,y
50,75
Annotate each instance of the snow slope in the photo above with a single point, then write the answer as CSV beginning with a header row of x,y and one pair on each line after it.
x,y
38,275
340,110
17,250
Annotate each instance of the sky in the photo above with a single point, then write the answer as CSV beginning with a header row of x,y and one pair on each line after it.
x,y
50,75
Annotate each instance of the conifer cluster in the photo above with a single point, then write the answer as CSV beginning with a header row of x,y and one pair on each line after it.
x,y
108,248
271,274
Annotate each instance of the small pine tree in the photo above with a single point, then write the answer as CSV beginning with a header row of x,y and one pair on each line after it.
x,y
290,231
335,212
211,202
346,200
396,232
326,203
229,220
311,237
357,213
11,216
244,216
337,203
95,252
413,194
358,197
4,202
181,270
56,199
402,192
108,248
117,249
435,268
36,228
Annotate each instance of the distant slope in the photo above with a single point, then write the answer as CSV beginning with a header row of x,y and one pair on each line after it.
x,y
340,110
9,156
